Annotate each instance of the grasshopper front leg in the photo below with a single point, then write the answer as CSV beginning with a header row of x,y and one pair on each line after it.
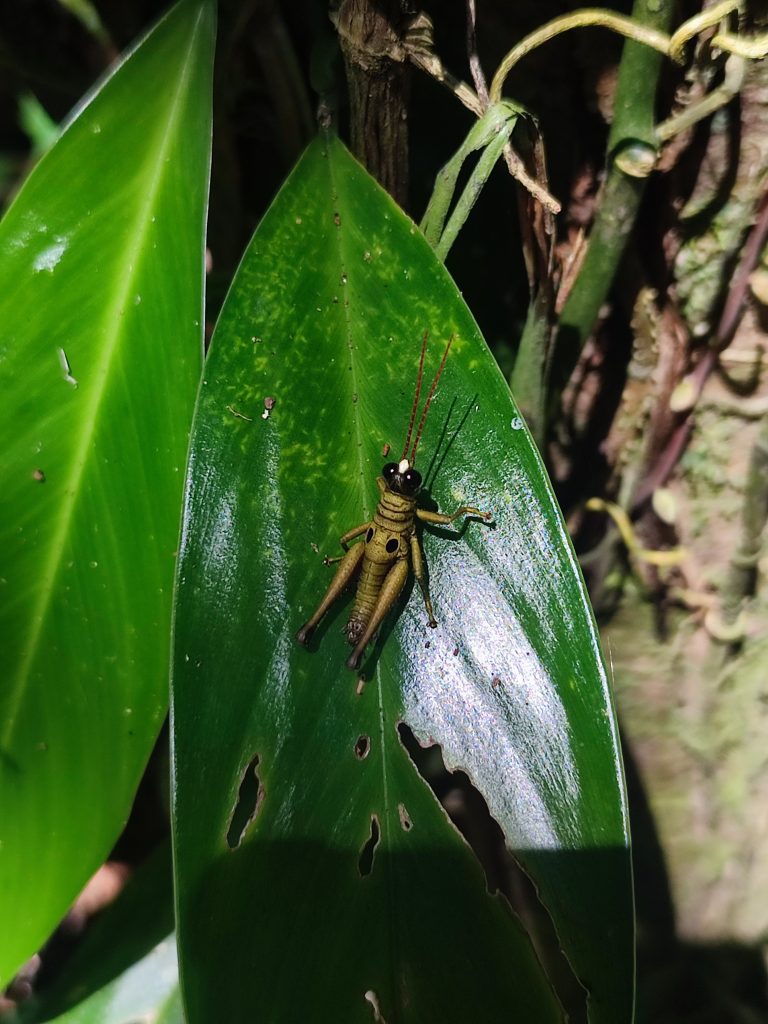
x,y
417,555
351,534
344,541
420,572
441,519
350,563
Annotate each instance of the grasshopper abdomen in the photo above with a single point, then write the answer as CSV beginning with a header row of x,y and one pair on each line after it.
x,y
387,540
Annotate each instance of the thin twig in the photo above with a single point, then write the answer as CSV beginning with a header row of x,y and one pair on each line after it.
x,y
735,70
698,23
588,16
752,49
432,65
475,68
519,173
420,50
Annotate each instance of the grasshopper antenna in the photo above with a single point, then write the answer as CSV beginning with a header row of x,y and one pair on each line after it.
x,y
429,399
418,392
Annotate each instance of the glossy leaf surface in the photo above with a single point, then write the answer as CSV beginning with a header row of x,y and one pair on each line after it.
x,y
101,266
315,869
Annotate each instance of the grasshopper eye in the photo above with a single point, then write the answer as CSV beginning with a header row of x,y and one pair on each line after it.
x,y
389,471
411,481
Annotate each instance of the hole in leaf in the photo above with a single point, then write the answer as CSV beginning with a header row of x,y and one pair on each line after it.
x,y
249,800
405,818
468,811
464,805
362,747
365,861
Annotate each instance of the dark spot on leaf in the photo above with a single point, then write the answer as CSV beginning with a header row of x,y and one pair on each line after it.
x,y
39,475
362,747
337,219
249,800
365,861
405,818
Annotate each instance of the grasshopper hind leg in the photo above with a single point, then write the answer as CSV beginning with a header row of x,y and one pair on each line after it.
x,y
348,567
394,582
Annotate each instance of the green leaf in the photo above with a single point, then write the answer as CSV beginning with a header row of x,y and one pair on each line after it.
x,y
101,265
34,121
489,134
88,17
117,939
145,993
326,316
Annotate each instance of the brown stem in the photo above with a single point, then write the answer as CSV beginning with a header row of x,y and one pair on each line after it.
x,y
475,68
734,303
371,35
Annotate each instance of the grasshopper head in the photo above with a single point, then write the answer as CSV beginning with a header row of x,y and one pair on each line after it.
x,y
402,478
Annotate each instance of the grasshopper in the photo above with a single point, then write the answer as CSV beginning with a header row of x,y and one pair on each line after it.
x,y
382,562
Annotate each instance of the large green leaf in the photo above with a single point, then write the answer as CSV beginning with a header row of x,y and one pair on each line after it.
x,y
101,266
147,992
326,316
102,961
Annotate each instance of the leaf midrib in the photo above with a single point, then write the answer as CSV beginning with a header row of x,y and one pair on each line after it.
x,y
386,817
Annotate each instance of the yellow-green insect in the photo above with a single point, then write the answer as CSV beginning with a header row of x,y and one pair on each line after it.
x,y
391,547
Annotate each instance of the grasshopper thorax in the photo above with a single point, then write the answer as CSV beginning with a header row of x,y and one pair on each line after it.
x,y
402,478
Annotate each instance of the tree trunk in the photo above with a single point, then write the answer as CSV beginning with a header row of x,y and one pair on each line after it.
x,y
371,33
